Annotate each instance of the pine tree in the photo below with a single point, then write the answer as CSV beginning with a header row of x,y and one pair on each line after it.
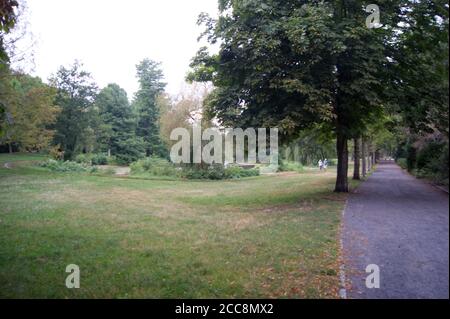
x,y
150,78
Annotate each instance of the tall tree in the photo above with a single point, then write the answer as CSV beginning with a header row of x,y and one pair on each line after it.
x,y
292,64
76,94
150,78
116,113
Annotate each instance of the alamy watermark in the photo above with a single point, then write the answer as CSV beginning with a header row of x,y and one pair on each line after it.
x,y
373,20
73,279
373,279
225,146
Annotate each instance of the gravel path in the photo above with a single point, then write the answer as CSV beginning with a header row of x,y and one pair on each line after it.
x,y
400,224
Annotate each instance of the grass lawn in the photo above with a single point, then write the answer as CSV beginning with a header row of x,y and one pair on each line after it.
x,y
268,236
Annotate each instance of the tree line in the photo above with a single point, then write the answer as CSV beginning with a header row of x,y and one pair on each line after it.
x,y
298,65
313,69
70,115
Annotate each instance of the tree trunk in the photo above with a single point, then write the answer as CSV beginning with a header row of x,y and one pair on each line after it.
x,y
10,148
342,166
356,174
363,155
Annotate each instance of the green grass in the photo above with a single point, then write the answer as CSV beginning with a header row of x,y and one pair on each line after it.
x,y
268,236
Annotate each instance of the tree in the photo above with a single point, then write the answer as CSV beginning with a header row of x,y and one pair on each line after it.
x,y
151,86
420,71
30,111
420,74
357,156
119,124
292,64
76,93
185,110
8,19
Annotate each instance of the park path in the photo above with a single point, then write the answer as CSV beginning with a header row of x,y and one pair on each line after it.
x,y
400,224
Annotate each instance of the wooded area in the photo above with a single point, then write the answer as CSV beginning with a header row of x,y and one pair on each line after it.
x,y
312,69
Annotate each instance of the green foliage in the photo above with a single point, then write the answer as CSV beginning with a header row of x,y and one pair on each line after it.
x,y
30,111
239,172
83,158
402,162
427,160
293,64
8,18
286,166
150,77
154,166
432,162
75,125
421,69
133,149
66,167
310,146
218,172
119,122
411,157
99,159
92,159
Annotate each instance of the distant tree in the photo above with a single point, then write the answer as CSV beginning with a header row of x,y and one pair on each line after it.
x,y
151,86
120,133
30,112
184,110
76,93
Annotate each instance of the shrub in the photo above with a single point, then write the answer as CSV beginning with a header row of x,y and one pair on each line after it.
x,y
99,159
92,159
83,158
290,166
402,162
111,160
154,166
218,172
432,162
67,166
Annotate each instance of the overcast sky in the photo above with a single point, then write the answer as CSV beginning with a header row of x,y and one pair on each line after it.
x,y
111,36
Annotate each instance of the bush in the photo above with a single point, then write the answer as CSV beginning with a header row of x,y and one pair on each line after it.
x,y
67,166
432,162
290,166
99,159
218,172
92,159
111,160
402,162
83,158
154,166
239,172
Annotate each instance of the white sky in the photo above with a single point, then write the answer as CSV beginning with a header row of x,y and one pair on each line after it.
x,y
111,36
